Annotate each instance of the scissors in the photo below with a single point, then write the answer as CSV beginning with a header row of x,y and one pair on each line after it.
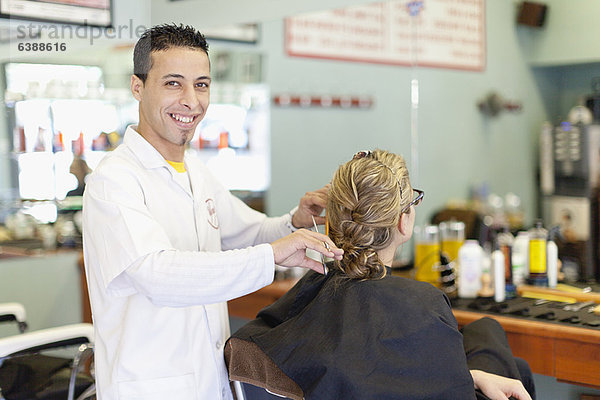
x,y
326,246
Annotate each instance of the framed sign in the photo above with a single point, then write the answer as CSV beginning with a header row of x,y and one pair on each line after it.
x,y
428,33
79,12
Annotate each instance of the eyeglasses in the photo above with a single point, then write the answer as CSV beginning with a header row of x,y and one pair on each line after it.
x,y
415,202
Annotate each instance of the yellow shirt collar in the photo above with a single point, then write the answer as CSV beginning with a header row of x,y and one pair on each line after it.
x,y
179,166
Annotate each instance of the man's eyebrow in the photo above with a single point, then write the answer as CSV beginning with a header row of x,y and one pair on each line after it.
x,y
179,76
172,76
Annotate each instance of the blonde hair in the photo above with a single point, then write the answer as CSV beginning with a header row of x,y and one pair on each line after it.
x,y
364,206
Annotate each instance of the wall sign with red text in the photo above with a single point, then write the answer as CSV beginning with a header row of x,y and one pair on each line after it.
x,y
427,33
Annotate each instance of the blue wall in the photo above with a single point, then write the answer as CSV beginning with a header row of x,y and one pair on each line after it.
x,y
458,147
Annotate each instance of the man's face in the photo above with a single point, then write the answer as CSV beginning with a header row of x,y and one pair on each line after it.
x,y
173,100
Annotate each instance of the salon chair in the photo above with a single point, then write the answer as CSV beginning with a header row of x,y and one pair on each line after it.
x,y
27,374
248,364
14,312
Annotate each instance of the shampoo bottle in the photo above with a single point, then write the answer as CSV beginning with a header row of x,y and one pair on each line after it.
x,y
520,258
537,255
470,258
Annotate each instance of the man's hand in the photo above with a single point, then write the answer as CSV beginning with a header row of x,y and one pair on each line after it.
x,y
290,250
311,204
498,387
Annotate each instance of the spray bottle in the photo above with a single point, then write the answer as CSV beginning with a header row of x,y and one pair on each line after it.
x,y
552,257
498,270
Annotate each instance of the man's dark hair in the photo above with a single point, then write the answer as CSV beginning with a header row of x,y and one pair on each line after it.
x,y
164,37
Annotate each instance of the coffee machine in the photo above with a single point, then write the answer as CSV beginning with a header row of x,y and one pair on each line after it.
x,y
569,185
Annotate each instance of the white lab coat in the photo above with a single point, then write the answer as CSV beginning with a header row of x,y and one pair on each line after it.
x,y
158,276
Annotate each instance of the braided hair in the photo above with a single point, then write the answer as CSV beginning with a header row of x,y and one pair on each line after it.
x,y
364,206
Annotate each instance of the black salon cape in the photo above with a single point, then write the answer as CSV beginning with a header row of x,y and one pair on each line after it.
x,y
393,338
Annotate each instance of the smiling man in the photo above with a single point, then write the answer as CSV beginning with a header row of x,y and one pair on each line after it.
x,y
166,245
173,99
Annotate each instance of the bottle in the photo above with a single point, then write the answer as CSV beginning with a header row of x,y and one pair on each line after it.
x,y
486,261
498,270
470,257
514,211
537,255
505,244
552,258
452,234
520,258
40,141
427,254
77,146
57,142
20,142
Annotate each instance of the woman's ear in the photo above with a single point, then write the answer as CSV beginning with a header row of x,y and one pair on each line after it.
x,y
403,224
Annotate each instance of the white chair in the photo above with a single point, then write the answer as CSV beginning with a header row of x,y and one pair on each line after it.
x,y
238,390
31,343
14,312
44,339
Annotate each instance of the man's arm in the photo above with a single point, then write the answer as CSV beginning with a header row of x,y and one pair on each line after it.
x,y
244,227
128,249
181,278
130,252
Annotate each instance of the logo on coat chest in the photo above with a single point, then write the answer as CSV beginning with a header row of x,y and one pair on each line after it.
x,y
211,209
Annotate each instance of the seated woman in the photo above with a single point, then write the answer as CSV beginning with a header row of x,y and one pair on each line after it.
x,y
361,333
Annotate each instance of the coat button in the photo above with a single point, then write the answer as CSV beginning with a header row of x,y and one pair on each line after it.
x,y
219,344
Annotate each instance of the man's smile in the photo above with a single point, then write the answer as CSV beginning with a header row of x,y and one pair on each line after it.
x,y
185,119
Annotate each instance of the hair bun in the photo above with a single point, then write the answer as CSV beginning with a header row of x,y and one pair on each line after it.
x,y
361,262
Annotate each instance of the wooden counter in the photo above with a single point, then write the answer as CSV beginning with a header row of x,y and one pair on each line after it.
x,y
567,353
